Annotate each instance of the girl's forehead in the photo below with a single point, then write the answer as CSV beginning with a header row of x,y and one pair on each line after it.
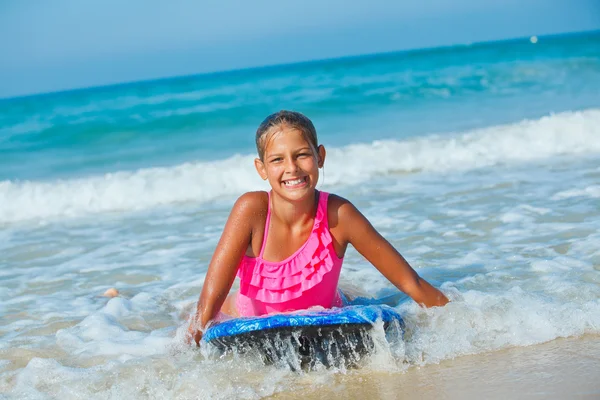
x,y
285,137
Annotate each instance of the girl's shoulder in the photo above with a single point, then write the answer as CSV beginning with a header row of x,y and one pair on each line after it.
x,y
338,208
250,211
336,202
253,202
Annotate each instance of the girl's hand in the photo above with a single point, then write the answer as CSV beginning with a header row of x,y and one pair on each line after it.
x,y
194,333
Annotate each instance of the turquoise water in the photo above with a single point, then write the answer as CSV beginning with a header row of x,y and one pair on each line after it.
x,y
354,100
480,163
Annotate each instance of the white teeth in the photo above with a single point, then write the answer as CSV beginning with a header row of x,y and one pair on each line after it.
x,y
294,182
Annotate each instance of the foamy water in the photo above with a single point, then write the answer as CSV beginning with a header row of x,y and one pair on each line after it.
x,y
569,133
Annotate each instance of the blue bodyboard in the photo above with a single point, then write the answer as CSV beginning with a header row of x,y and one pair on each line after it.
x,y
337,333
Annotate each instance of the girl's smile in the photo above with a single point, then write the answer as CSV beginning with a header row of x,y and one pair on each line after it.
x,y
295,183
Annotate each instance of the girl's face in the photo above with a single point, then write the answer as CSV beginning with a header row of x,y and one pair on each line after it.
x,y
290,164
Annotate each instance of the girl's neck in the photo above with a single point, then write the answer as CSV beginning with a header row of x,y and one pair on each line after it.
x,y
293,213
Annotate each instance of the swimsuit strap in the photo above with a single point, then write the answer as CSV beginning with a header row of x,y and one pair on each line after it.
x,y
321,215
267,223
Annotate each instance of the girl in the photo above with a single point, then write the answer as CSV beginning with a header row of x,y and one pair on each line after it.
x,y
287,246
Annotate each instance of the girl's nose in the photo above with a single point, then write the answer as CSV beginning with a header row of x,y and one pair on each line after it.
x,y
291,165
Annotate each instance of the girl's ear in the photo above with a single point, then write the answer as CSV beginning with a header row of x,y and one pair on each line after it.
x,y
322,154
260,168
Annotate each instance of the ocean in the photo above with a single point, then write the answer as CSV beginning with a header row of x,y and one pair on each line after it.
x,y
480,163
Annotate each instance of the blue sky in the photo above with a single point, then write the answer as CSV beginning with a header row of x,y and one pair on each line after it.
x,y
64,44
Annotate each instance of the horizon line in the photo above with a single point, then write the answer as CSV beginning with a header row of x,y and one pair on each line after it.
x,y
292,64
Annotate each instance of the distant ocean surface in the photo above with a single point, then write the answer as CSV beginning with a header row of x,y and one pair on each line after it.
x,y
480,163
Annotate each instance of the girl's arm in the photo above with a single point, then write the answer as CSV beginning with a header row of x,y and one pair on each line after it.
x,y
359,232
223,266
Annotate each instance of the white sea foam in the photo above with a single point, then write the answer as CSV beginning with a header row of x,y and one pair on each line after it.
x,y
475,322
592,191
569,133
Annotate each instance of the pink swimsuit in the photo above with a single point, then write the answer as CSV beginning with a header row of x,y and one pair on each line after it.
x,y
307,278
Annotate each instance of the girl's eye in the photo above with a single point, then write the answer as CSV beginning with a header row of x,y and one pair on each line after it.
x,y
304,155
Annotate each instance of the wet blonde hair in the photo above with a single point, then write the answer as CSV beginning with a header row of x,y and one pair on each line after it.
x,y
291,119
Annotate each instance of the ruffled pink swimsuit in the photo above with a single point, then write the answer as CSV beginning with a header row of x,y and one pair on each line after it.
x,y
307,278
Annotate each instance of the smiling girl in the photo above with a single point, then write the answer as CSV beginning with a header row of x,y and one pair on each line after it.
x,y
287,245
